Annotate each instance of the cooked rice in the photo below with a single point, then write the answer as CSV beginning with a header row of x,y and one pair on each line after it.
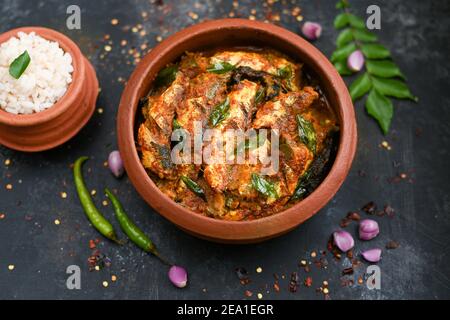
x,y
45,80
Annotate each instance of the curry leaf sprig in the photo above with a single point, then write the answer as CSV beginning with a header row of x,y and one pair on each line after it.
x,y
381,78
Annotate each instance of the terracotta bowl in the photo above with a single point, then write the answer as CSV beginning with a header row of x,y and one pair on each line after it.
x,y
52,127
233,32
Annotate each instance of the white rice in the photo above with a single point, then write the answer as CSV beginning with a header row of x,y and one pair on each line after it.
x,y
44,81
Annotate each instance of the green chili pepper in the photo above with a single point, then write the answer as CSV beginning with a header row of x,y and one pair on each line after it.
x,y
136,235
95,217
194,187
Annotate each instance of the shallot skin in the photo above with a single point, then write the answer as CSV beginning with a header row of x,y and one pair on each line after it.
x,y
355,61
372,255
178,276
343,240
311,30
115,164
368,229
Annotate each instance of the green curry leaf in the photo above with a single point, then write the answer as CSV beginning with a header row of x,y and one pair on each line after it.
x,y
219,113
166,76
306,133
380,107
341,67
263,186
301,188
393,88
343,52
220,67
360,86
19,65
375,51
383,69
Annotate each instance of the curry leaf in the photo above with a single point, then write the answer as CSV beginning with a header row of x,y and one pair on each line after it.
x,y
360,86
220,67
219,113
344,37
341,4
341,67
264,187
260,95
301,188
375,51
285,72
343,53
306,133
393,88
176,125
380,107
19,65
364,35
355,21
166,76
194,187
341,21
384,69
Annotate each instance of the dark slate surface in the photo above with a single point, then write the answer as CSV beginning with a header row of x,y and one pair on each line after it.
x,y
417,34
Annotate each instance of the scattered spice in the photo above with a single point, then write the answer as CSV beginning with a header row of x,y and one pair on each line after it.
x,y
293,283
313,254
108,48
248,293
64,195
105,284
11,267
7,162
113,278
347,271
57,222
259,270
260,296
92,244
276,286
9,186
308,282
369,208
2,216
242,275
392,245
114,22
100,110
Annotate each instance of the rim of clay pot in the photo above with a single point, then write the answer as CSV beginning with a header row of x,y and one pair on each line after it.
x,y
236,231
73,90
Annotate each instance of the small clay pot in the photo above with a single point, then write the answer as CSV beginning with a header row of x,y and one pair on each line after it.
x,y
224,33
54,126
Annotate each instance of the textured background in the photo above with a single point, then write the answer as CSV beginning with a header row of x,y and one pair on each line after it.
x,y
417,34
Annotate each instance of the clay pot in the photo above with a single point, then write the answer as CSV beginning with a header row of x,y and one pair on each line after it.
x,y
233,32
52,127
